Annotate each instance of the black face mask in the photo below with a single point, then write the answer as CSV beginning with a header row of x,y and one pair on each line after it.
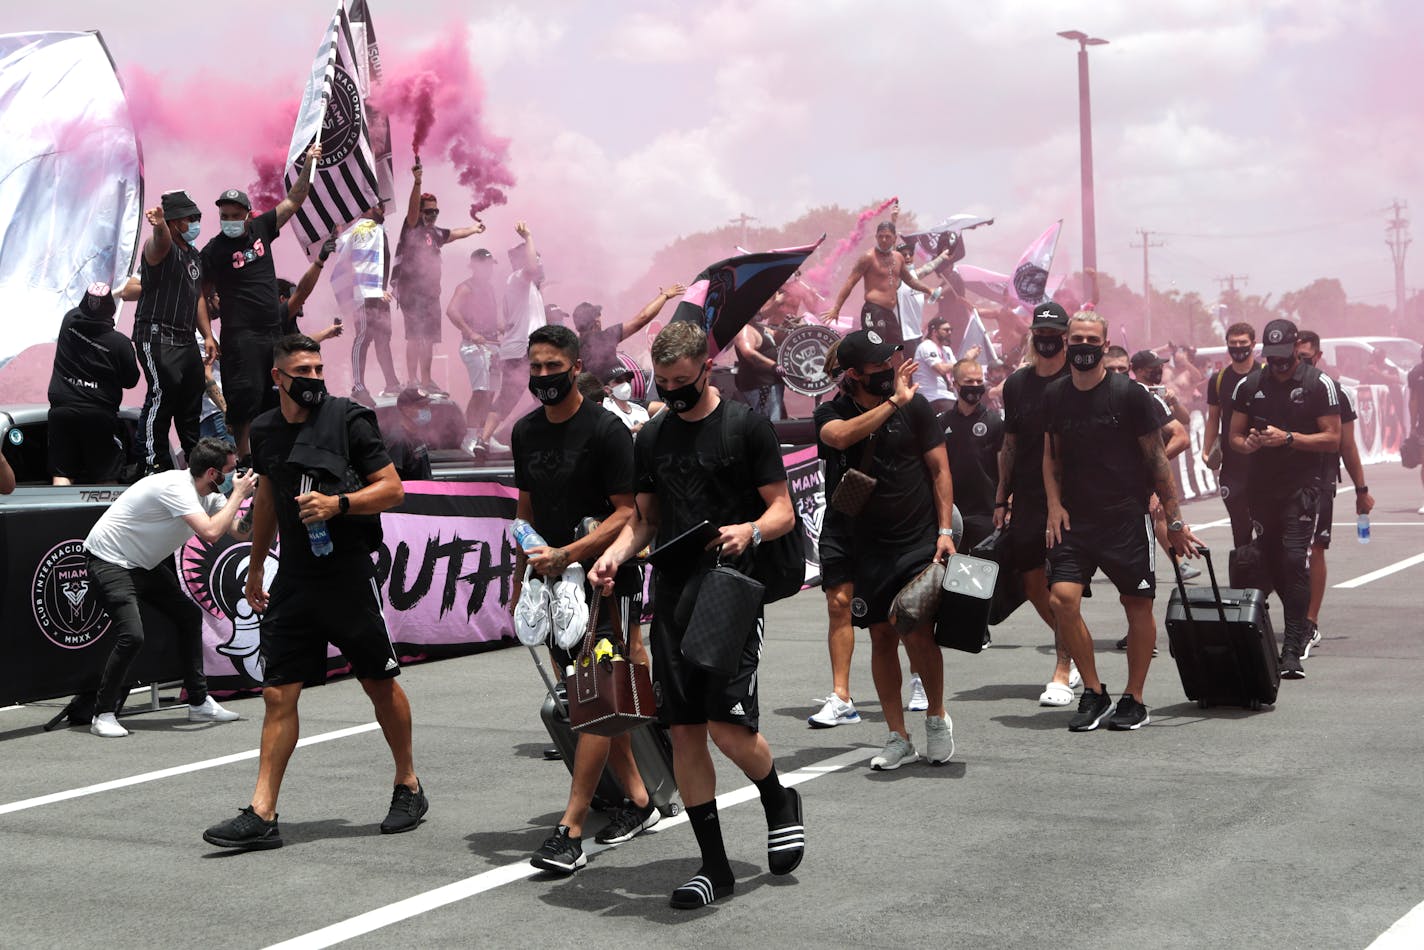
x,y
1047,346
306,391
1281,364
971,394
879,384
1086,356
683,398
551,390
1239,354
1307,360
1152,376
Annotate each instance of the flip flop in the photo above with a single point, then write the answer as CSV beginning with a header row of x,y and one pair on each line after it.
x,y
1056,694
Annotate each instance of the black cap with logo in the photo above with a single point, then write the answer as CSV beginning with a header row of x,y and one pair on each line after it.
x,y
1049,315
863,347
1278,340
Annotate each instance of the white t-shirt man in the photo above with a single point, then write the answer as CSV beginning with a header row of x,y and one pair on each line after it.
x,y
523,313
933,385
911,304
146,524
635,414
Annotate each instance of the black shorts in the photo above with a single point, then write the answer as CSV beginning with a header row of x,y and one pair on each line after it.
x,y
304,616
688,695
881,575
1123,546
883,321
834,550
1325,514
1027,528
84,445
422,318
246,363
627,589
976,529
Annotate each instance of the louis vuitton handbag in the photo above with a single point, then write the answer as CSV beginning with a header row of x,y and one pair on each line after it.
x,y
608,693
855,488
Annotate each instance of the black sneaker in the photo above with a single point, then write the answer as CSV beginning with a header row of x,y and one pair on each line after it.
x,y
246,832
627,822
1092,707
1129,714
407,808
560,853
1122,644
1290,665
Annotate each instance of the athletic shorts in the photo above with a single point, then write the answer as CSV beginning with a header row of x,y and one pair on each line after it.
x,y
477,358
247,373
422,318
84,445
881,576
1124,547
1026,535
304,615
374,318
885,322
834,551
688,695
1325,514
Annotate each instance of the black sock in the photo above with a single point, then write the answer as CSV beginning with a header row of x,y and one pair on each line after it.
x,y
773,793
708,829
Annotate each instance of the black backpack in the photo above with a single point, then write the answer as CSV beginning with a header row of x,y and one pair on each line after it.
x,y
779,564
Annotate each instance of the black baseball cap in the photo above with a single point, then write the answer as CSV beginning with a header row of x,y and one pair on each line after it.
x,y
1050,315
482,253
98,301
1146,359
1279,339
177,204
862,347
234,197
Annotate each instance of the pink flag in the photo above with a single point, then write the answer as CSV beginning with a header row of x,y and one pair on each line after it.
x,y
1030,278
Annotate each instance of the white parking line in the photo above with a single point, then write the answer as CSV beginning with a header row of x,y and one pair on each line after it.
x,y
175,770
1406,934
509,873
1372,576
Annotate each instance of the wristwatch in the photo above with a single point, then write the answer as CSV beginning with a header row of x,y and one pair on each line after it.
x,y
1176,526
1361,489
756,535
344,503
946,532
1290,438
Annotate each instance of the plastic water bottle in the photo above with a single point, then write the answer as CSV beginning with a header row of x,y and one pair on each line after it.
x,y
525,536
320,539
1362,529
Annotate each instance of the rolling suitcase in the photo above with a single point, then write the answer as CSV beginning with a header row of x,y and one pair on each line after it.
x,y
652,750
1223,643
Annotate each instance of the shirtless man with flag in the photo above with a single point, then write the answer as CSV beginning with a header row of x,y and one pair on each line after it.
x,y
883,271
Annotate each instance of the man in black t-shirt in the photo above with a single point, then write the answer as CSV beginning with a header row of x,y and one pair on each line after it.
x,y
407,447
321,462
1102,458
599,344
906,524
238,265
574,461
689,471
1307,350
1020,504
416,279
93,364
1216,446
1286,416
974,437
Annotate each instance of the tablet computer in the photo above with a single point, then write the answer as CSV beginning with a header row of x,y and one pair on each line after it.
x,y
686,547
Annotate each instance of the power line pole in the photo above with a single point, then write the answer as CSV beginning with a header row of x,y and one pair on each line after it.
x,y
744,219
1228,282
1147,242
1396,235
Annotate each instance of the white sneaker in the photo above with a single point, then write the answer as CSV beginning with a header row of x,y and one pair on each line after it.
x,y
1420,511
497,447
836,712
939,739
531,614
1075,679
210,711
918,701
106,725
566,598
1190,572
898,750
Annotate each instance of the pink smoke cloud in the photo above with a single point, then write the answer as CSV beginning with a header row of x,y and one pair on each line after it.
x,y
819,277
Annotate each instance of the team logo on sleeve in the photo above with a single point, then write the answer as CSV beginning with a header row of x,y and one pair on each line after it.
x,y
65,603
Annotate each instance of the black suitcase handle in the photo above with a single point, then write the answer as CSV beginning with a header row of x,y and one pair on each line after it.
x,y
1182,585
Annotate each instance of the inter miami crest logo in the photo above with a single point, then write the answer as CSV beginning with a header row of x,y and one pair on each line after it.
x,y
65,603
341,127
980,429
216,577
1030,282
802,358
1275,336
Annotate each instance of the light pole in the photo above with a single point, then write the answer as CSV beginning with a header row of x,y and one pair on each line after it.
x,y
1085,138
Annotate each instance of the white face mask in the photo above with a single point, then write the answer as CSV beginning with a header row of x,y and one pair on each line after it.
x,y
623,392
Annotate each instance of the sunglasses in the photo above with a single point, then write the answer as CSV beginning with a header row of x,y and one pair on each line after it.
x,y
431,212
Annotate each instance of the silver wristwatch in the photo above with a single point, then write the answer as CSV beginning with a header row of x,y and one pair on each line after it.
x,y
756,535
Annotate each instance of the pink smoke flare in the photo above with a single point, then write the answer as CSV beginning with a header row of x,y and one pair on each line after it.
x,y
819,278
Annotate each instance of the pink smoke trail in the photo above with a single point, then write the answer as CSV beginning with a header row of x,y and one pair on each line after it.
x,y
819,277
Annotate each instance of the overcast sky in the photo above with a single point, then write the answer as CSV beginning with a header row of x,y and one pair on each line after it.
x,y
1258,138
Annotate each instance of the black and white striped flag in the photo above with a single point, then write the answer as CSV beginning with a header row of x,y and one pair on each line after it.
x,y
344,185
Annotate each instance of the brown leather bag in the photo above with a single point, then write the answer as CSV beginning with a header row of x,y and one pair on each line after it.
x,y
856,487
918,601
610,695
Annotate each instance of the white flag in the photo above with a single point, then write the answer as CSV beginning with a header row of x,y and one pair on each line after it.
x,y
333,108
71,181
